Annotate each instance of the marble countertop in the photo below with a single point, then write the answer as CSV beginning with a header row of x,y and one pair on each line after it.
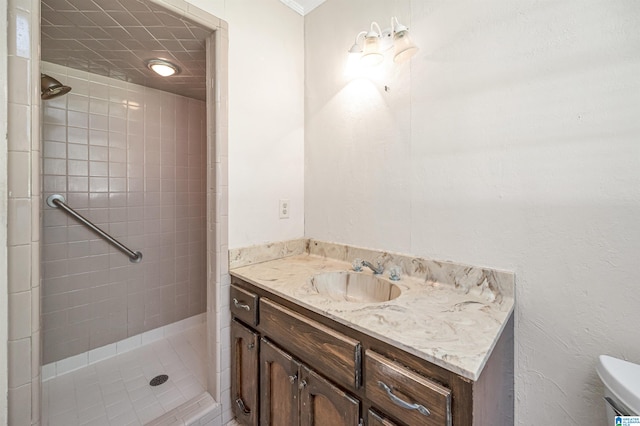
x,y
451,326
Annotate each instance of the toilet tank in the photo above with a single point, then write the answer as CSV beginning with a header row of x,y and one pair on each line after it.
x,y
621,381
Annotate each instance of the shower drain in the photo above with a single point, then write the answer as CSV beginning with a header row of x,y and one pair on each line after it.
x,y
158,380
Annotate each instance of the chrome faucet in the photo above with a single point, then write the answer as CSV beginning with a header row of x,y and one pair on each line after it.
x,y
359,263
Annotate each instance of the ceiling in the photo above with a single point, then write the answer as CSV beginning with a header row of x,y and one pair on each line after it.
x,y
114,38
303,6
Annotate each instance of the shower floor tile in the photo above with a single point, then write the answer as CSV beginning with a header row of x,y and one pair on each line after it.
x,y
116,391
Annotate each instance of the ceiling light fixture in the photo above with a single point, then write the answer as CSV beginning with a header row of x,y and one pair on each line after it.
x,y
377,42
163,67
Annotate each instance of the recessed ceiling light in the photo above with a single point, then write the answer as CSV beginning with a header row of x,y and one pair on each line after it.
x,y
162,67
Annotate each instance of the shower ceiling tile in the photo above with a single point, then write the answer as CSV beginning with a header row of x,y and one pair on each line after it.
x,y
114,38
59,5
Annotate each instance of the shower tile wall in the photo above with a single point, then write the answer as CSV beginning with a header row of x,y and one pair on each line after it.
x,y
132,160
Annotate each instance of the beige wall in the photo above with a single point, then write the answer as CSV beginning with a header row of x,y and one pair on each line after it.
x,y
133,161
266,118
511,141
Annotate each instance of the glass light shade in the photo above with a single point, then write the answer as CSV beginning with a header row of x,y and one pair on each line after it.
x,y
163,70
162,67
371,53
353,66
404,48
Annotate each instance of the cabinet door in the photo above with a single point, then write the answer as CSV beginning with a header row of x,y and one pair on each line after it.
x,y
244,371
279,386
321,403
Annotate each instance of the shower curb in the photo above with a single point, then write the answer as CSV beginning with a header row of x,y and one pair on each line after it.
x,y
67,365
202,410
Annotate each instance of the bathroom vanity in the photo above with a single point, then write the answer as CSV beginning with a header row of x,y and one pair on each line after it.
x,y
315,343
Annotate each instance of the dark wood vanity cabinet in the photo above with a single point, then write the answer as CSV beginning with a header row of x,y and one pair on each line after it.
x,y
301,368
293,394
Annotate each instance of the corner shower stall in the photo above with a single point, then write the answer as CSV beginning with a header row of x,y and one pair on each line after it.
x,y
132,160
134,288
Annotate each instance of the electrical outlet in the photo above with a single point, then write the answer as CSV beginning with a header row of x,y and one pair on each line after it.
x,y
284,209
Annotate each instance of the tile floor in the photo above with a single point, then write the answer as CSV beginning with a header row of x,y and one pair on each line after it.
x,y
116,391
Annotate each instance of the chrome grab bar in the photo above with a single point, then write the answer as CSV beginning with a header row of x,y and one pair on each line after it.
x,y
57,200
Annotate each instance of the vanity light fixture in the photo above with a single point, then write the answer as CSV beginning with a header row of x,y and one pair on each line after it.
x,y
163,67
375,43
403,47
372,51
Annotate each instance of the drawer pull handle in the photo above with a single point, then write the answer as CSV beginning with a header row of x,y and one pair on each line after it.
x,y
241,305
404,404
242,407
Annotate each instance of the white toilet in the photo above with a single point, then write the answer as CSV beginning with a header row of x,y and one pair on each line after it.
x,y
621,387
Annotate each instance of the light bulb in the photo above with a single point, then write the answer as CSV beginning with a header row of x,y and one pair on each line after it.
x,y
162,67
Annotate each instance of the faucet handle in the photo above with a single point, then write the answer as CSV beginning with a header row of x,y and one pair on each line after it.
x,y
357,264
394,273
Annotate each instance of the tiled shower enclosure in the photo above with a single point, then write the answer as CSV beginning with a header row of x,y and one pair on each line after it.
x,y
133,161
25,229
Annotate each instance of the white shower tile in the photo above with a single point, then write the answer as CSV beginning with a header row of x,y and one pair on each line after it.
x,y
77,119
101,353
77,102
99,106
68,418
152,335
90,414
129,344
77,135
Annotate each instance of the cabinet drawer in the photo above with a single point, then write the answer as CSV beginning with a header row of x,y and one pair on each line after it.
x,y
375,419
333,354
244,305
404,394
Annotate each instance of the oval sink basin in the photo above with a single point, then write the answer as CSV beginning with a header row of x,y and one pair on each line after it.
x,y
354,287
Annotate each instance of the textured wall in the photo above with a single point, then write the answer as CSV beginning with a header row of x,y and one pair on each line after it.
x,y
266,118
511,141
133,161
266,121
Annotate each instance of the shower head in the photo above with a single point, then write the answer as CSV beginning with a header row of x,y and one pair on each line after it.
x,y
51,88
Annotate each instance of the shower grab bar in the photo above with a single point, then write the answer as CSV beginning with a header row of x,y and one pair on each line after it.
x,y
57,200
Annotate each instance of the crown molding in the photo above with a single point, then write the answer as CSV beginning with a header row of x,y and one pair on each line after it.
x,y
303,6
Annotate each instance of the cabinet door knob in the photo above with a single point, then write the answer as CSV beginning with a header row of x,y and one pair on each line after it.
x,y
404,404
241,305
303,384
293,378
251,346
